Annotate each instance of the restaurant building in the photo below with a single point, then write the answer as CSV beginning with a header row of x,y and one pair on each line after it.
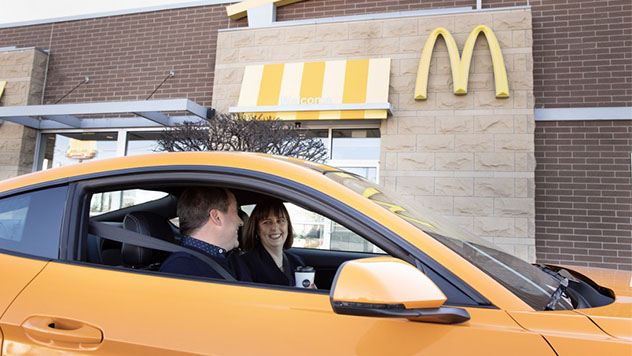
x,y
511,118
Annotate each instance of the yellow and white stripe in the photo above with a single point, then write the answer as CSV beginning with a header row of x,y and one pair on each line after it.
x,y
279,89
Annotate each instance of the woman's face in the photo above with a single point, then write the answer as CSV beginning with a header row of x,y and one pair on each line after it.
x,y
272,231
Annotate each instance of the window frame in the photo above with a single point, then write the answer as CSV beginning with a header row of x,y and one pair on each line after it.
x,y
64,213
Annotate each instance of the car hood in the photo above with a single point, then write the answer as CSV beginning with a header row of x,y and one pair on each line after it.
x,y
615,318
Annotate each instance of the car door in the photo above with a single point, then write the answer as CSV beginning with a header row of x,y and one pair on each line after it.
x,y
73,307
16,273
138,313
30,223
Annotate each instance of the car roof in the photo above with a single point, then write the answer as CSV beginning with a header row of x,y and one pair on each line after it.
x,y
253,161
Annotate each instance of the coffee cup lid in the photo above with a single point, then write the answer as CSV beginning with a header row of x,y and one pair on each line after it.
x,y
304,269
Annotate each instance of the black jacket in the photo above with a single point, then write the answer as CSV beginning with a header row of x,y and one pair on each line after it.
x,y
187,264
263,269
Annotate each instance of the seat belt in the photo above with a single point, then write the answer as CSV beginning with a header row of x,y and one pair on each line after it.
x,y
130,237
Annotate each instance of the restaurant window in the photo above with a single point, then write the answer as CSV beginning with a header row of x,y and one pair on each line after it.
x,y
65,149
355,150
355,144
139,143
59,149
323,136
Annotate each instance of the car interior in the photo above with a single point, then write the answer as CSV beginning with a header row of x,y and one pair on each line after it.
x,y
157,218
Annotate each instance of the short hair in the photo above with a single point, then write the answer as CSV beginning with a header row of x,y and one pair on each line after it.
x,y
262,211
194,205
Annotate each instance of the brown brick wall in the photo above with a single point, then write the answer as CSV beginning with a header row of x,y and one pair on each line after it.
x,y
330,8
584,193
127,56
582,49
582,52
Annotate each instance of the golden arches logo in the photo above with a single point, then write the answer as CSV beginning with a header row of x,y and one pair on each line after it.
x,y
461,63
3,84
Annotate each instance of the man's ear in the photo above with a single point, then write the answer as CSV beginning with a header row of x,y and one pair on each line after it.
x,y
215,217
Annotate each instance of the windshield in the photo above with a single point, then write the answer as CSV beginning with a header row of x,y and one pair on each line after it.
x,y
526,281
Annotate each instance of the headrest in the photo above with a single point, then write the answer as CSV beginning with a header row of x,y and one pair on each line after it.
x,y
241,232
146,223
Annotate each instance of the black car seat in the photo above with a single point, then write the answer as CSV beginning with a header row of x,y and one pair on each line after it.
x,y
149,224
103,251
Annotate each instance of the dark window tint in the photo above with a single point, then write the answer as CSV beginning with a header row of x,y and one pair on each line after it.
x,y
31,222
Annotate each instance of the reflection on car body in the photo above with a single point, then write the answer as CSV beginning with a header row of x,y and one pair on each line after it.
x,y
393,278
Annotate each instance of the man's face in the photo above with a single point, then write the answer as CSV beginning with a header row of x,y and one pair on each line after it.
x,y
230,225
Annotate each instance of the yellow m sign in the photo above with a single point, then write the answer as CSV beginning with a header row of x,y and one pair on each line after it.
x,y
461,64
3,83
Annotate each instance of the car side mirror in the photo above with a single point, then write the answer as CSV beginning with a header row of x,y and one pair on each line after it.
x,y
390,287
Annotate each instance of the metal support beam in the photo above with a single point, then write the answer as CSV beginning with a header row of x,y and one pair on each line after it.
x,y
25,120
154,113
154,116
64,119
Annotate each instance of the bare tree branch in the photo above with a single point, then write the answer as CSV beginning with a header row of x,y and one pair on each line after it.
x,y
236,132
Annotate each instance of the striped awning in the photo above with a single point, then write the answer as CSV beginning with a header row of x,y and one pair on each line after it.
x,y
328,90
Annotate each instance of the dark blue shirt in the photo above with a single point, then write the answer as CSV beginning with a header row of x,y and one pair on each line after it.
x,y
202,246
186,264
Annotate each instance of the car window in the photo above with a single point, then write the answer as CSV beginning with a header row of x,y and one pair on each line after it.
x,y
319,241
31,222
105,202
312,230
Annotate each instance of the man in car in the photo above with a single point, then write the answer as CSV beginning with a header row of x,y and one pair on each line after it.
x,y
209,224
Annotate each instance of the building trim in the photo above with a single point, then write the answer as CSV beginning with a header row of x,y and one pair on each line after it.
x,y
583,114
116,13
143,113
379,16
311,107
14,48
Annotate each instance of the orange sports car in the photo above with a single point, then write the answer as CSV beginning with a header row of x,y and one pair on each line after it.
x,y
392,279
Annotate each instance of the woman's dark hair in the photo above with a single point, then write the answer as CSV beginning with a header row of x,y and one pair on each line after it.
x,y
262,211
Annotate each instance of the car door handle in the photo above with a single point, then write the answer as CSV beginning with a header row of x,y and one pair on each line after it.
x,y
64,332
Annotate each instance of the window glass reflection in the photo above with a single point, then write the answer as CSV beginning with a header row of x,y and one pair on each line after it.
x,y
323,136
139,143
71,148
356,144
102,203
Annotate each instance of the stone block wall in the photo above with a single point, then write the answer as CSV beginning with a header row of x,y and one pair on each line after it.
x,y
469,157
24,70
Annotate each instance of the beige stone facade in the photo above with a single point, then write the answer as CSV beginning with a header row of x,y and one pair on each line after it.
x,y
24,70
469,157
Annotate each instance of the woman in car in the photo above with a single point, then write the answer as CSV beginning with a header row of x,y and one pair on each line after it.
x,y
268,233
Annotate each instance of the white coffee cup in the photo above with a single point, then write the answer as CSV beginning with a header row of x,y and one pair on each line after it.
x,y
304,276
